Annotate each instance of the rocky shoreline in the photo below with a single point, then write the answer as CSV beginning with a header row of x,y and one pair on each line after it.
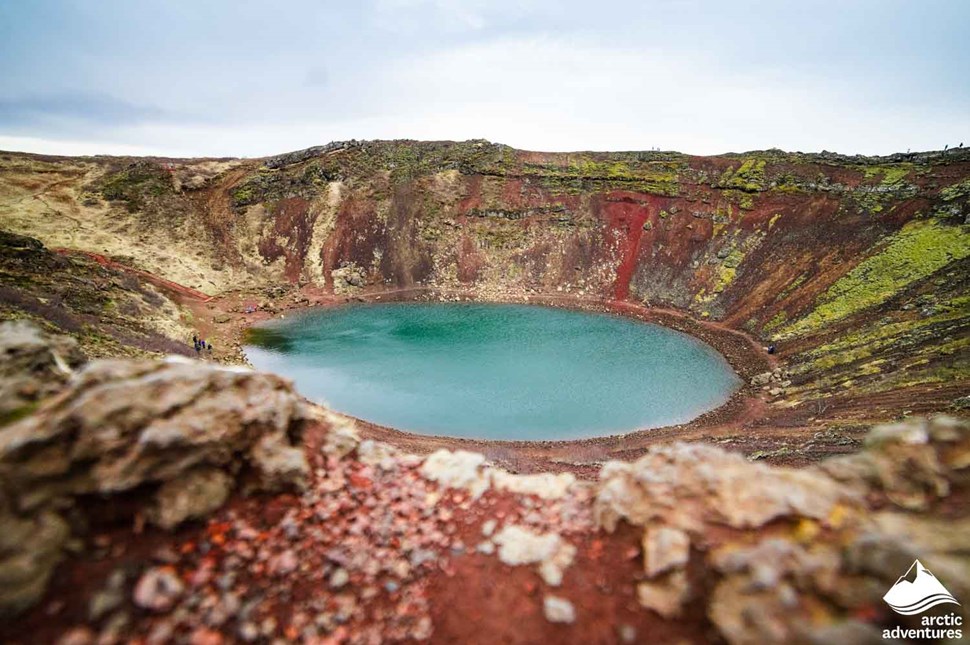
x,y
742,352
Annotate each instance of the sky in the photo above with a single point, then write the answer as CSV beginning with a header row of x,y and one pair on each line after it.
x,y
239,78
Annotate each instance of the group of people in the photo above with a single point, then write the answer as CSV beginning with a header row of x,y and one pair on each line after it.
x,y
201,345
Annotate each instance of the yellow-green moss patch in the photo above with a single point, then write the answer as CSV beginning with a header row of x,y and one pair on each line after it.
x,y
919,249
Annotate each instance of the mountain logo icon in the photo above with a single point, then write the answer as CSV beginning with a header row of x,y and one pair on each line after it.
x,y
917,591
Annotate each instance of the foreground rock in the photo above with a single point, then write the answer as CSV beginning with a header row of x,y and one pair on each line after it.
x,y
687,543
33,365
792,554
182,434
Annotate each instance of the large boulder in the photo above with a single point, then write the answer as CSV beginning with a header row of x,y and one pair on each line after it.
x,y
349,278
790,555
183,432
689,485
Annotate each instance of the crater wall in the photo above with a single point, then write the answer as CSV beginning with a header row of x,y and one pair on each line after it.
x,y
855,267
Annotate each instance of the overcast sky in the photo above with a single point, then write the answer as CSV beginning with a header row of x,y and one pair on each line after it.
x,y
193,77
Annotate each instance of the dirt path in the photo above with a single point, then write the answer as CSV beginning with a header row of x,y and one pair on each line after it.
x,y
168,285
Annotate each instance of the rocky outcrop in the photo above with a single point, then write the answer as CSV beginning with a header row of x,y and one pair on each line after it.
x,y
181,435
33,365
806,547
348,279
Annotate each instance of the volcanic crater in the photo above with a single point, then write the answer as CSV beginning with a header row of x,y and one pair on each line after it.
x,y
854,268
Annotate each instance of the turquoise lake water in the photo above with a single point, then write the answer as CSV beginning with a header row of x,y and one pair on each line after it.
x,y
494,371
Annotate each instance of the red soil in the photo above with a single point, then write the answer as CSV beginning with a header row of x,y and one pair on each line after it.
x,y
167,285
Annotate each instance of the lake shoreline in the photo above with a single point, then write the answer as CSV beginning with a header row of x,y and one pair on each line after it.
x,y
583,457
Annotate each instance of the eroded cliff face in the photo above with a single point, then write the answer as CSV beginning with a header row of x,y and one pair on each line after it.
x,y
856,267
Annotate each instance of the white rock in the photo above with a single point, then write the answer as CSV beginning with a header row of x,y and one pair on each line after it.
x,y
688,485
486,547
459,469
489,527
518,545
376,453
158,589
544,485
665,596
664,549
558,610
342,440
339,578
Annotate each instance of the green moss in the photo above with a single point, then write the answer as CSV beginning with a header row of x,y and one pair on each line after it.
x,y
776,321
749,176
244,195
788,183
584,173
890,174
958,347
887,336
797,282
610,169
734,259
919,249
956,191
18,413
724,278
726,272
137,184
318,174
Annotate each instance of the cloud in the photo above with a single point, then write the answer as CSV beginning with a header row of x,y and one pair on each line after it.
x,y
74,106
701,77
558,93
412,15
70,147
317,76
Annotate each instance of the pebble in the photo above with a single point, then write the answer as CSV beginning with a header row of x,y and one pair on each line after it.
x,y
627,633
486,547
285,562
558,610
248,631
158,589
339,578
77,636
420,556
489,527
